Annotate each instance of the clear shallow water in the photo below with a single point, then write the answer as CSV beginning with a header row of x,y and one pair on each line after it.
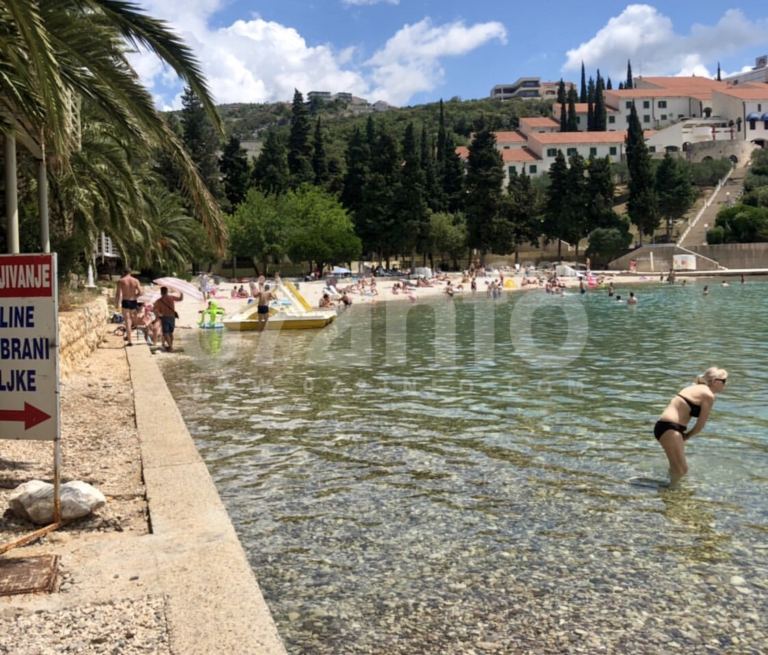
x,y
483,502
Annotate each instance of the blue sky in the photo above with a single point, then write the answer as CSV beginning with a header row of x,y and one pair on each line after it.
x,y
409,52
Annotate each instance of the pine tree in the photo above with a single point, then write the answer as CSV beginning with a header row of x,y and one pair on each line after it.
x,y
608,85
270,171
319,158
200,140
235,171
591,105
600,117
485,174
299,148
629,84
583,94
642,206
562,99
572,124
522,212
600,191
673,189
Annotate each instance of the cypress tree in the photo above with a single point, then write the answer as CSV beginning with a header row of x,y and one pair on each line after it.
x,y
234,171
583,94
485,174
621,85
600,191
642,206
200,140
433,193
572,124
718,72
561,99
522,215
555,203
608,85
629,83
411,207
441,143
270,171
600,117
299,148
590,105
319,158
576,202
453,177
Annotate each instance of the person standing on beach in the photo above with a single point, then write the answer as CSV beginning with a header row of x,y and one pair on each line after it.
x,y
126,301
696,402
203,283
264,296
165,310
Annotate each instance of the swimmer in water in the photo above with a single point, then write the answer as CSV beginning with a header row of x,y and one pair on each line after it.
x,y
696,402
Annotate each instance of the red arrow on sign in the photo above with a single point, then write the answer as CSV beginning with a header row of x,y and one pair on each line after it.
x,y
31,416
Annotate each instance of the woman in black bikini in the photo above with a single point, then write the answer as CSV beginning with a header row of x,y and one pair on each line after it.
x,y
670,429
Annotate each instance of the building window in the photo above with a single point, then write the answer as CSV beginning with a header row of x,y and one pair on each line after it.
x,y
651,148
532,169
578,120
629,104
662,104
611,119
593,151
759,107
646,104
663,117
512,169
612,150
551,152
506,147
646,118
752,125
571,151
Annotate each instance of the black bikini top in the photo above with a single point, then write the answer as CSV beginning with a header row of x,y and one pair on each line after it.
x,y
695,409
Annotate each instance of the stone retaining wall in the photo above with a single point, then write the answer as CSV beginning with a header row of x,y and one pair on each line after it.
x,y
80,332
730,255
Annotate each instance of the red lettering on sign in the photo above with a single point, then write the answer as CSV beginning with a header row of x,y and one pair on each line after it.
x,y
26,276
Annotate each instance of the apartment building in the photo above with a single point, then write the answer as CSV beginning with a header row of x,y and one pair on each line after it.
x,y
530,88
758,74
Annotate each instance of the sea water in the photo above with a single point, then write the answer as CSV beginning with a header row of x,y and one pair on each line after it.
x,y
426,478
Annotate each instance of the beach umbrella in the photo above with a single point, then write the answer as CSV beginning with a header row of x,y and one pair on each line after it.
x,y
182,286
149,297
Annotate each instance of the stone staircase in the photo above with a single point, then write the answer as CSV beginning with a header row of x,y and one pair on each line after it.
x,y
697,234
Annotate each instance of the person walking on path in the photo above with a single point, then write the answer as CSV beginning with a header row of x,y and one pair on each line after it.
x,y
126,301
165,310
696,402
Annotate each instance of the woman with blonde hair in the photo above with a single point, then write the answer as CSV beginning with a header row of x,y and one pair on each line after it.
x,y
696,402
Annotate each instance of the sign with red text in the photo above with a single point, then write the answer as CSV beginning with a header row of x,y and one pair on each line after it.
x,y
29,352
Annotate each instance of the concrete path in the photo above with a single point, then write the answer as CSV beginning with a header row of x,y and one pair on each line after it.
x,y
697,235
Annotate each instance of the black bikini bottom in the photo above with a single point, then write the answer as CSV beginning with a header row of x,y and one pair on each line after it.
x,y
662,426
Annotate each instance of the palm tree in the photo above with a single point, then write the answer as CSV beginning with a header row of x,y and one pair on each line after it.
x,y
57,54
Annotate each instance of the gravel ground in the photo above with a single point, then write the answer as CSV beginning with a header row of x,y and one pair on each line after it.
x,y
99,446
126,626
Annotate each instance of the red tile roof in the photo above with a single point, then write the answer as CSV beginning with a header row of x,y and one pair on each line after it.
x,y
583,137
519,154
539,121
462,152
699,93
691,82
510,137
746,93
583,107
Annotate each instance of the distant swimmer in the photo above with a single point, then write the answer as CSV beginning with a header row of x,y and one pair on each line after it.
x,y
631,300
742,278
706,290
724,284
618,299
696,402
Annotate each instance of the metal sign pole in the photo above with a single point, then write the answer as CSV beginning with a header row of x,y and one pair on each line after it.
x,y
57,439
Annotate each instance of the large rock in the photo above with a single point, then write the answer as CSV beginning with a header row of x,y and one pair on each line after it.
x,y
33,500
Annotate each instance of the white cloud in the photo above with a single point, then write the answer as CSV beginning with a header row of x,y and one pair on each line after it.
x,y
646,37
410,60
256,60
369,2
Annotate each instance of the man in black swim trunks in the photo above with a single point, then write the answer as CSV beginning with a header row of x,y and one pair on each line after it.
x,y
264,296
126,301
